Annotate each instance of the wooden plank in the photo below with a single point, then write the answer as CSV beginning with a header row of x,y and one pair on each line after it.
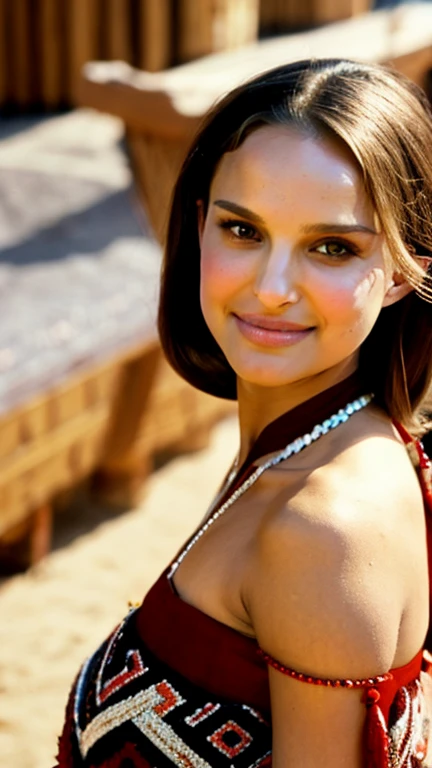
x,y
124,464
40,534
83,24
49,28
238,24
54,442
155,34
10,436
4,87
195,29
267,14
328,11
20,47
156,163
118,30
206,27
129,410
70,403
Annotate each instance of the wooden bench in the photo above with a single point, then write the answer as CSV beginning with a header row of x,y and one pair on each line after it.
x,y
85,392
162,110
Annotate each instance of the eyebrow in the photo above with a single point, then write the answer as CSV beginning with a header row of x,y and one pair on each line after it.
x,y
239,210
342,229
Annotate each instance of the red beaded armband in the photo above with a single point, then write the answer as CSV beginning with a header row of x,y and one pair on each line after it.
x,y
364,683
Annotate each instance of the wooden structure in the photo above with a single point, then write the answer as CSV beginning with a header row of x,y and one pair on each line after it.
x,y
86,397
209,26
45,43
284,15
107,421
161,111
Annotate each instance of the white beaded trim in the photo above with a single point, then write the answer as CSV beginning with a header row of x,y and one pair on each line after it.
x,y
295,447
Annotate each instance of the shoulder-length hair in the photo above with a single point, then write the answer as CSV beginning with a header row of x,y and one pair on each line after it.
x,y
386,122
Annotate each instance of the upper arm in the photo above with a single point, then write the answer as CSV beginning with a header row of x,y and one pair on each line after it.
x,y
319,603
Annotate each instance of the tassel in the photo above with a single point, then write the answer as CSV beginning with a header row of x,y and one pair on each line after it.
x,y
376,746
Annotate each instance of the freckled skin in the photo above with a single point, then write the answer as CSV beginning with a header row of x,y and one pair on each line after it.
x,y
292,181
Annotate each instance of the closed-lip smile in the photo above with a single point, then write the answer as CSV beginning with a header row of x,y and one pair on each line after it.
x,y
272,323
267,331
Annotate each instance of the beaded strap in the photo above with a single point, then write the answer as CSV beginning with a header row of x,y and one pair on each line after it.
x,y
295,447
368,682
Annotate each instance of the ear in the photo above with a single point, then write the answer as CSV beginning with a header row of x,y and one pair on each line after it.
x,y
201,219
399,287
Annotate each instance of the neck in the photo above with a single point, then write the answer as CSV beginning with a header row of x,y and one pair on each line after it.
x,y
259,406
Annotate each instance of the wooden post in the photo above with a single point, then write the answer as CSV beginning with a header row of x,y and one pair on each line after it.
x,y
211,26
328,11
155,34
122,467
20,47
267,14
40,534
51,60
4,86
27,542
118,30
83,23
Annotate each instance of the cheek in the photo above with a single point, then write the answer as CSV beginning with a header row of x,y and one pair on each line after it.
x,y
352,299
222,275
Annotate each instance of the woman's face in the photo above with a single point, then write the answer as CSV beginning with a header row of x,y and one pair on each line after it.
x,y
293,272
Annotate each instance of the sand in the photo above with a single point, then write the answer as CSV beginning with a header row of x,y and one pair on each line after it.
x,y
54,615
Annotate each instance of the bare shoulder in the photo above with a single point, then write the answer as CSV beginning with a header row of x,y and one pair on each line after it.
x,y
328,558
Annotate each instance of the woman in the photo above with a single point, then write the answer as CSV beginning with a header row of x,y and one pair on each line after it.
x,y
289,630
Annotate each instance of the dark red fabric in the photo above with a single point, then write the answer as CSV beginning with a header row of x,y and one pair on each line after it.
x,y
67,755
216,657
127,757
213,655
207,652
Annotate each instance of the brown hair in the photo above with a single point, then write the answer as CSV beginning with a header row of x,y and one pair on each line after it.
x,y
385,121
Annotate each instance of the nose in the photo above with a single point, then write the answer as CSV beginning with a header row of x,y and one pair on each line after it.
x,y
276,281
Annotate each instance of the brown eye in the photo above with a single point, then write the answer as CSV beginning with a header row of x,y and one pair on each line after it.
x,y
243,231
240,231
334,248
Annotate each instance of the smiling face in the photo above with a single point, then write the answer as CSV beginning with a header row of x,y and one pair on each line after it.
x,y
293,271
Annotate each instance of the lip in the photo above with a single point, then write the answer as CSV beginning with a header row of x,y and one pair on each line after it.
x,y
270,331
272,323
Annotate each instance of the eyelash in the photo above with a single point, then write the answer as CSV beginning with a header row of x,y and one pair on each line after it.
x,y
229,224
350,249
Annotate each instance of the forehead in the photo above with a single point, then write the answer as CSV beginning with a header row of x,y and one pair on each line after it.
x,y
280,165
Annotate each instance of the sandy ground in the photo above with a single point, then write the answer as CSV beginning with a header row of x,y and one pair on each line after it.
x,y
54,615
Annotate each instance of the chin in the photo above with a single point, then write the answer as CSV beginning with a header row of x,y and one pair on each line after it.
x,y
274,372
267,374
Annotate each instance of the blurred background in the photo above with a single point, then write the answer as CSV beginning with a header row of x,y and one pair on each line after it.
x,y
107,458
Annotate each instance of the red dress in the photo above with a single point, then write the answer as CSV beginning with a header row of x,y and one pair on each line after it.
x,y
173,686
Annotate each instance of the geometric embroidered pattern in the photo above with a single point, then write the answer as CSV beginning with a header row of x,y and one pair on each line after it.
x,y
169,743
133,669
223,739
201,714
130,709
